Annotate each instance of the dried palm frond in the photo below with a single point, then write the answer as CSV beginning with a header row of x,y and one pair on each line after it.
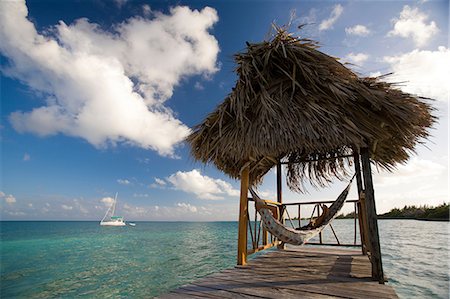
x,y
296,103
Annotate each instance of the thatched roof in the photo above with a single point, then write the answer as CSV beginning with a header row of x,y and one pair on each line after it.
x,y
295,103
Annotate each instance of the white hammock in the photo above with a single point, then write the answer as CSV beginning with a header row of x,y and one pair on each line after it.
x,y
290,235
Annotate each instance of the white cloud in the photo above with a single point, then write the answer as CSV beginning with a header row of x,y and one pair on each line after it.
x,y
415,170
10,199
108,87
425,73
107,201
359,30
375,74
160,182
2,194
16,213
202,186
26,157
413,23
357,58
334,16
141,195
123,181
199,86
187,207
418,182
66,207
146,9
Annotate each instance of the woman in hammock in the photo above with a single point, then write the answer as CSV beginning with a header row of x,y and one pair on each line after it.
x,y
316,222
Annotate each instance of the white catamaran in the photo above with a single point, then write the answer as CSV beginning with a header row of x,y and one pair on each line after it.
x,y
113,220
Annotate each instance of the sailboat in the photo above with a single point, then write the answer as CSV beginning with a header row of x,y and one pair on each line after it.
x,y
113,220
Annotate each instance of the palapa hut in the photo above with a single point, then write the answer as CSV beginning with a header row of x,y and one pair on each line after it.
x,y
295,105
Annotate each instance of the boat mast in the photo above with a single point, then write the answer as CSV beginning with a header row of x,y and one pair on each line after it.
x,y
114,205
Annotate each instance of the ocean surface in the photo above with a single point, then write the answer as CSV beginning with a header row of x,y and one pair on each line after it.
x,y
67,259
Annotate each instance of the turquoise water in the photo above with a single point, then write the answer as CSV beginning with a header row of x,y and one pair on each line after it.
x,y
67,259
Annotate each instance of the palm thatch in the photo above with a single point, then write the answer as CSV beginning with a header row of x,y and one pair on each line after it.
x,y
295,103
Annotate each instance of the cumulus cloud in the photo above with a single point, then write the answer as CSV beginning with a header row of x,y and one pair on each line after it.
x,y
199,86
187,207
357,58
66,207
160,182
123,181
334,16
146,10
359,30
409,68
418,182
10,199
202,186
108,87
413,23
415,170
107,201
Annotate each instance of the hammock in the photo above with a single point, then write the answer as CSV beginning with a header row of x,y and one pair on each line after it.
x,y
290,235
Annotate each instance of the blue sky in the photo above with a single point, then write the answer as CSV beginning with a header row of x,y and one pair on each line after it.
x,y
97,96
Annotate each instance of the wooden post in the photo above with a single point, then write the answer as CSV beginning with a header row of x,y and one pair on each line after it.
x,y
265,237
374,239
243,220
365,225
361,219
280,196
318,215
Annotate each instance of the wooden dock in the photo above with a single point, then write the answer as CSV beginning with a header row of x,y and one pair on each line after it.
x,y
300,272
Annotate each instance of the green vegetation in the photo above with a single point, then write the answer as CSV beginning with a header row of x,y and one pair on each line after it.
x,y
421,212
346,216
424,212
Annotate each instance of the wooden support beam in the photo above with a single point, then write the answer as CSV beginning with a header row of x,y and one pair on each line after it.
x,y
280,196
318,215
243,219
265,237
359,184
279,182
374,239
364,222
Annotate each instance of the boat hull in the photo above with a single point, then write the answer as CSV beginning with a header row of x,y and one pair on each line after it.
x,y
112,223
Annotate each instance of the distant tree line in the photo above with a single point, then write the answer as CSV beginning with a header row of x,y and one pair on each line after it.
x,y
425,212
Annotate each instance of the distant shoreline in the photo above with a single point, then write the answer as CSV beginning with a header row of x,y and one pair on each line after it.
x,y
411,218
424,213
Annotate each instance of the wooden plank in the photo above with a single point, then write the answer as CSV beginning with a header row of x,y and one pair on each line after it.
x,y
293,273
258,287
311,283
243,220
